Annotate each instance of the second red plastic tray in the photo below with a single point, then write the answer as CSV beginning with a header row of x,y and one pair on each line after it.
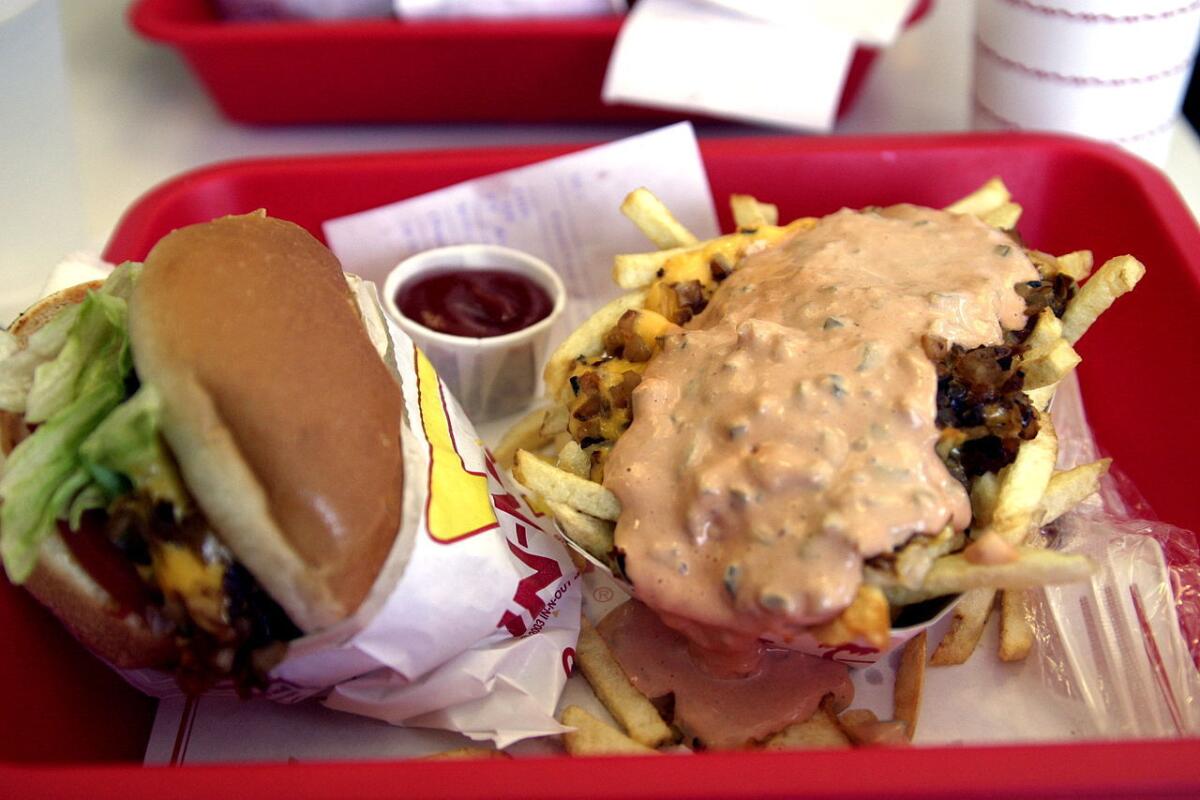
x,y
536,70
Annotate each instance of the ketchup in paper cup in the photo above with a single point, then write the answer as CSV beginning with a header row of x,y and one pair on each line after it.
x,y
482,313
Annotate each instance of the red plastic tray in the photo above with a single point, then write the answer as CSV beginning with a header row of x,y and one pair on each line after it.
x,y
64,708
391,71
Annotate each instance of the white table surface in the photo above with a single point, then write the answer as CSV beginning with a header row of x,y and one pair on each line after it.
x,y
139,118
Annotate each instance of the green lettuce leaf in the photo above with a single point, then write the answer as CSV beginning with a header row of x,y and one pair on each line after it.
x,y
82,385
122,279
127,444
55,382
90,497
18,363
20,357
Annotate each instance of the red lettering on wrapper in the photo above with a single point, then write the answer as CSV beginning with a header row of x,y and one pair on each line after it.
x,y
568,661
844,653
514,624
545,572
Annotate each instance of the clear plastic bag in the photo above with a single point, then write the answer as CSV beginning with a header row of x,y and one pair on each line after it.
x,y
1125,644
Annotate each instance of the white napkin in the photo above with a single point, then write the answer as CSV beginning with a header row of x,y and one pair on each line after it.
x,y
78,267
562,210
873,22
780,62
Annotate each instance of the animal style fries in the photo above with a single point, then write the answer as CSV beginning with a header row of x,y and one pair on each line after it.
x,y
994,441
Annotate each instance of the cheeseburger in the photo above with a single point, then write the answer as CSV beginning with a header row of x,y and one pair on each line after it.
x,y
202,453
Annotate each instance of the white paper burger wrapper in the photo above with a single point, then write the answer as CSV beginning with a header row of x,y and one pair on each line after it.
x,y
472,622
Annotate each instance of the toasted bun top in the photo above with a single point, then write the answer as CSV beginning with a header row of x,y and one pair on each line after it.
x,y
284,419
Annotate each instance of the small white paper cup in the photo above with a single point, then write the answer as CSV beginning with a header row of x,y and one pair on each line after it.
x,y
1115,70
490,377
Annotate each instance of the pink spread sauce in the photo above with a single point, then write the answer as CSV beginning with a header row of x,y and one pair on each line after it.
x,y
723,713
788,434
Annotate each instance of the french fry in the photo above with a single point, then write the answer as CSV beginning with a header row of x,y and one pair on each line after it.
x,y
1049,365
1004,217
855,722
574,459
1046,264
526,434
1076,265
862,727
592,737
854,717
593,535
970,615
910,682
1118,276
1016,631
555,485
1046,331
587,340
633,711
867,617
1032,567
555,422
820,731
769,212
748,212
1016,634
655,220
1022,484
1040,397
638,270
1063,491
914,560
1068,488
991,195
